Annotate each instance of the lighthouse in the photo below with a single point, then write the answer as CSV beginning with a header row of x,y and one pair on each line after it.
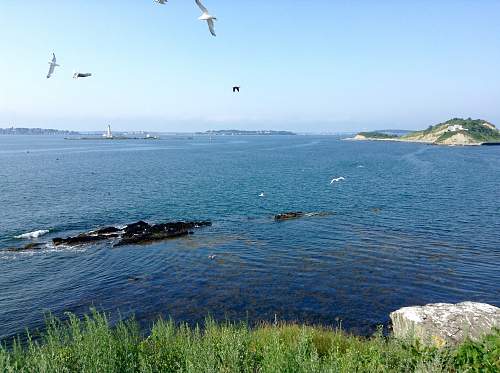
x,y
108,134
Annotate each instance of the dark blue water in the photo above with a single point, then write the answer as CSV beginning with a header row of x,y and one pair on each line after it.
x,y
413,224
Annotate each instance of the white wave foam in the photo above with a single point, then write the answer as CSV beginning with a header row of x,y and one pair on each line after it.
x,y
47,249
31,235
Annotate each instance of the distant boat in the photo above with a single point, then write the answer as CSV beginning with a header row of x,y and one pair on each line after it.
x,y
108,134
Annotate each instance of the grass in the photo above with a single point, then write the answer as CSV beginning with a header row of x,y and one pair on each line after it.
x,y
92,345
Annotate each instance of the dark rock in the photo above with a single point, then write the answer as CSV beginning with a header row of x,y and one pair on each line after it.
x,y
289,215
149,237
108,230
299,214
28,247
136,228
159,232
83,238
136,233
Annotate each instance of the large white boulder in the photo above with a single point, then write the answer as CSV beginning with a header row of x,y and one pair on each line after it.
x,y
445,324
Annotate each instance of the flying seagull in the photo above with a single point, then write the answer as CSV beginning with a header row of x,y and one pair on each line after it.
x,y
53,65
78,75
337,179
236,89
206,17
163,2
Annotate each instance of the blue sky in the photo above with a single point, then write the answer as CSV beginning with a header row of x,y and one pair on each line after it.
x,y
304,65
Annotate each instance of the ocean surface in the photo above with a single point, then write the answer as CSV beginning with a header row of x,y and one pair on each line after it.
x,y
410,224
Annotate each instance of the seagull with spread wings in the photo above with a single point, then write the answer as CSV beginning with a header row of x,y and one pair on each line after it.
x,y
206,16
337,179
162,2
53,64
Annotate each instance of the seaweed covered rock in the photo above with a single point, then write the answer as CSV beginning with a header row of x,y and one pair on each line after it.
x,y
289,215
132,234
28,247
299,214
141,234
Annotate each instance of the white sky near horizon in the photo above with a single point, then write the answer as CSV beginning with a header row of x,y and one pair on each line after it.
x,y
305,66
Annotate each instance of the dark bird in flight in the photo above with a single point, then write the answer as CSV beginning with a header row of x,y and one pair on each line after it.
x,y
236,89
78,75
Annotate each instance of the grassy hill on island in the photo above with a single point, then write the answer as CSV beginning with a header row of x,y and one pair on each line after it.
x,y
456,131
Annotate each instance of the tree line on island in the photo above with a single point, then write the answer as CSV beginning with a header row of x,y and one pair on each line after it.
x,y
35,131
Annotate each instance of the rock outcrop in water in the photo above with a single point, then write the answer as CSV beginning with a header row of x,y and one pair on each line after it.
x,y
141,232
299,214
443,324
28,247
289,215
134,234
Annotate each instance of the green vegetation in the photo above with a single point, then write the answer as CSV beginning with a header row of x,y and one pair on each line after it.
x,y
474,131
477,130
377,135
92,345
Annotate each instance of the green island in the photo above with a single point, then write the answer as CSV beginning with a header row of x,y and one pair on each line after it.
x,y
92,344
377,135
456,131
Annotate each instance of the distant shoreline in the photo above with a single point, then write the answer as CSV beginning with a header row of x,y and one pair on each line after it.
x,y
36,132
89,135
246,133
117,138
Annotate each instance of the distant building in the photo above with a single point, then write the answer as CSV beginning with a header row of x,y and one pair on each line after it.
x,y
456,127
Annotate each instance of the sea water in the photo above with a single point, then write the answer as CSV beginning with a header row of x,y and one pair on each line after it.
x,y
409,224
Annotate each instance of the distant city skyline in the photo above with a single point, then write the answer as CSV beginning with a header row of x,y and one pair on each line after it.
x,y
322,66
